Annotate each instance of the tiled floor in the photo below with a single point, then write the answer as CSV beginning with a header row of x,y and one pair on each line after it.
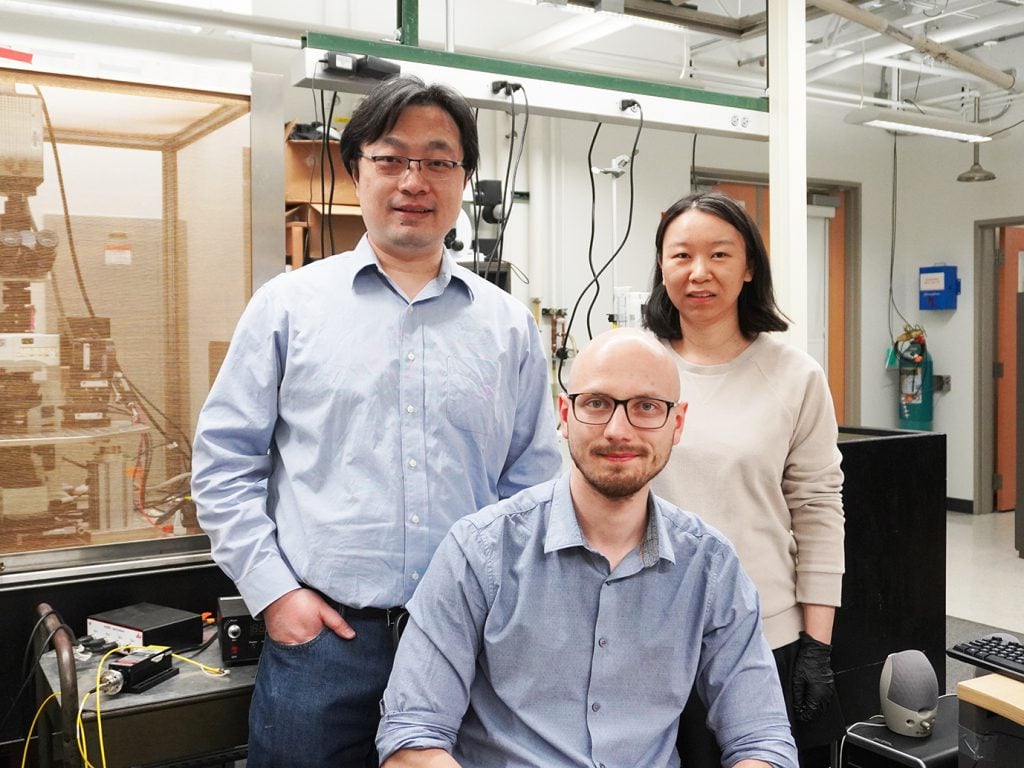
x,y
984,575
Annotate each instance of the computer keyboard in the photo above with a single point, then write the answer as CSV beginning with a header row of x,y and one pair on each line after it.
x,y
995,654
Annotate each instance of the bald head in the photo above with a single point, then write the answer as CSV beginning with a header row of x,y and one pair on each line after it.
x,y
617,450
625,362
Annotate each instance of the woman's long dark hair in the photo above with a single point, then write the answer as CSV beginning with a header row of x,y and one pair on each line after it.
x,y
758,311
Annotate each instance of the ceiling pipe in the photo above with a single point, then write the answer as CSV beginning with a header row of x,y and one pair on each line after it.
x,y
921,43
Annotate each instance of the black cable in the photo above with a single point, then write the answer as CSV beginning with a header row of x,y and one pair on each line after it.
x,y
329,203
515,172
511,172
32,634
185,444
72,250
323,179
892,240
1007,128
505,191
477,208
562,354
593,225
81,282
28,676
309,218
196,650
693,165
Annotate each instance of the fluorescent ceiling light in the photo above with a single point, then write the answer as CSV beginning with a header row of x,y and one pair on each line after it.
x,y
100,17
927,125
255,37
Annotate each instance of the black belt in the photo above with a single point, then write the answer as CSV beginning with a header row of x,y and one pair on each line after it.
x,y
393,616
390,615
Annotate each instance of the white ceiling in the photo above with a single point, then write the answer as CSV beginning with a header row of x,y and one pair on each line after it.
x,y
720,45
716,45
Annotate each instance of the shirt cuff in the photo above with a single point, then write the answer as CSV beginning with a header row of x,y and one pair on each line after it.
x,y
264,584
415,730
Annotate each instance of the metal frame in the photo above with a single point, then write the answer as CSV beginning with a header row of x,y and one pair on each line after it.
x,y
552,92
508,68
985,247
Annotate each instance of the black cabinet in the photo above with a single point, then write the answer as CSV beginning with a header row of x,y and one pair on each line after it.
x,y
894,590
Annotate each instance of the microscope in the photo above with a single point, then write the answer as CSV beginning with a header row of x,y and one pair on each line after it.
x,y
29,357
30,379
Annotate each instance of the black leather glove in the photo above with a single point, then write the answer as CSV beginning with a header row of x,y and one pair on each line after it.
x,y
813,683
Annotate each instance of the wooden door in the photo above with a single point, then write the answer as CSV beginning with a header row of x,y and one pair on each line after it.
x,y
1007,288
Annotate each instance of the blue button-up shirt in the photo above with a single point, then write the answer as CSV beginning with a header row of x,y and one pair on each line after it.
x,y
524,650
349,427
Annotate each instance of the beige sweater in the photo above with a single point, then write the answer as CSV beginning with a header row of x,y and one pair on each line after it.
x,y
759,461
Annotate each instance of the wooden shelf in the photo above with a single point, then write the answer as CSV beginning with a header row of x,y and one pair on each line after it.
x,y
302,162
306,204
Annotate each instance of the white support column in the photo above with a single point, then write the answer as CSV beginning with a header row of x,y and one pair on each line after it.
x,y
787,161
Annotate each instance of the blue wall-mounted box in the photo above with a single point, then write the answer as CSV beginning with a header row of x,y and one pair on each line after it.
x,y
939,286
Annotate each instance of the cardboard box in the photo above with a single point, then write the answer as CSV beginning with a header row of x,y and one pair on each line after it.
x,y
302,174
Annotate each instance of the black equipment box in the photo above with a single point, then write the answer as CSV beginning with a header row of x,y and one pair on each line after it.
x,y
241,636
148,624
143,668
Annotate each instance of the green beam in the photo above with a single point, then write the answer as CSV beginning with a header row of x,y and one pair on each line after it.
x,y
508,68
409,22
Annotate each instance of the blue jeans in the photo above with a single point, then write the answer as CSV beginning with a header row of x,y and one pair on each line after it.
x,y
318,704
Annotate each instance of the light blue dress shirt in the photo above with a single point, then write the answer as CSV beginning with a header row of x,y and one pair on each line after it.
x,y
523,650
348,428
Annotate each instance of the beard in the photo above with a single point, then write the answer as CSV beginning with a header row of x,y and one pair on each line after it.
x,y
616,482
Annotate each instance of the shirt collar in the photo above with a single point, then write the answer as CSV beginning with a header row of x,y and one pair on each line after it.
x,y
564,529
364,260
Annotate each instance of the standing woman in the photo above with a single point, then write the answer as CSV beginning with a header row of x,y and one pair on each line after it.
x,y
759,458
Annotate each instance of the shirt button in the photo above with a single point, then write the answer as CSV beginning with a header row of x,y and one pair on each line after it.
x,y
410,409
415,519
412,463
596,707
414,575
410,357
602,642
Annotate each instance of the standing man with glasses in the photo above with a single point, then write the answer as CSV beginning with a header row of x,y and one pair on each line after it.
x,y
366,403
566,626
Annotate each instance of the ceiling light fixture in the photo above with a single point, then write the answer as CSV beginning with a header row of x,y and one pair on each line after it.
x,y
101,17
976,172
927,125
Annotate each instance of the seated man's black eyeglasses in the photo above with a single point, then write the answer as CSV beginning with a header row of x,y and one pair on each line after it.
x,y
642,412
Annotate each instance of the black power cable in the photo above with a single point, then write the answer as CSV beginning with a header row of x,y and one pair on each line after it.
x,y
562,352
593,227
892,241
511,172
28,675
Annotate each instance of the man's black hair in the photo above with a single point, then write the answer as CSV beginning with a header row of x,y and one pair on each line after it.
x,y
378,112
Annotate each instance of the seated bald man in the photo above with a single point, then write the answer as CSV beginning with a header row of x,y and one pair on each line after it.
x,y
567,625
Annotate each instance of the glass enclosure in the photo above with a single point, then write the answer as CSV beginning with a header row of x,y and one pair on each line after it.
x,y
124,264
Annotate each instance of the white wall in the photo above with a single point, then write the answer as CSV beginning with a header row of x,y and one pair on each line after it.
x,y
935,224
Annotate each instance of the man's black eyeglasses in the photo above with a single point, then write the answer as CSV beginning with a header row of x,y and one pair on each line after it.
x,y
396,165
642,412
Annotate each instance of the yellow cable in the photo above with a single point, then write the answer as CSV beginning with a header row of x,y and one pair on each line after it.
x,y
83,747
31,728
99,724
214,671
